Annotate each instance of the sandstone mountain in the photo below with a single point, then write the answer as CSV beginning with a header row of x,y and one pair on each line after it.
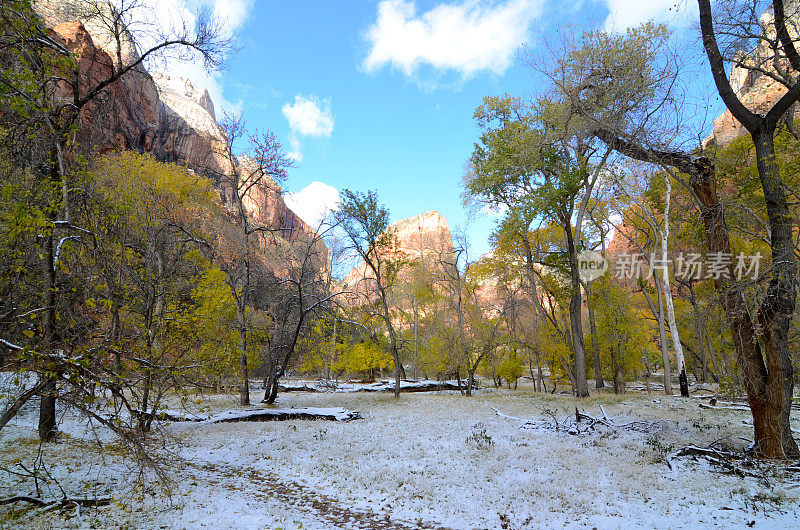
x,y
423,235
164,115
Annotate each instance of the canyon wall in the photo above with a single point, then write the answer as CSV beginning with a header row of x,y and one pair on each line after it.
x,y
155,113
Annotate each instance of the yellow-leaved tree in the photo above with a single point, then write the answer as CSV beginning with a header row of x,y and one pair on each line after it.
x,y
364,358
622,339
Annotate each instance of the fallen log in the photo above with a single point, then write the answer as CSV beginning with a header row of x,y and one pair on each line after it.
x,y
306,413
62,503
725,460
724,407
23,498
413,386
379,386
288,387
301,413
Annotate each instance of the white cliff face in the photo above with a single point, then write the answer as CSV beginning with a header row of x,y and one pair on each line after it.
x,y
180,93
100,20
427,231
189,129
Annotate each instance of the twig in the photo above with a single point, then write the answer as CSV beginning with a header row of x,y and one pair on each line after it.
x,y
605,416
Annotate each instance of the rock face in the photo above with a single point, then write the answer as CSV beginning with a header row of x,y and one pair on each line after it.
x,y
164,115
759,97
188,131
756,91
127,114
266,205
424,234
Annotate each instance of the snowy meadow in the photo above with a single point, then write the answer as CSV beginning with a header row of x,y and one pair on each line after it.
x,y
501,459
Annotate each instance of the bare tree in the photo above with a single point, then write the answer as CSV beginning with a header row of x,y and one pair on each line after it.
x,y
250,186
299,290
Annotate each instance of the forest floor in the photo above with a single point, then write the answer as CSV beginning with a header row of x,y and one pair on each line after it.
x,y
433,460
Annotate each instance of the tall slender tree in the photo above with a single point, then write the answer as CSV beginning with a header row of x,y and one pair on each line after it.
x,y
365,222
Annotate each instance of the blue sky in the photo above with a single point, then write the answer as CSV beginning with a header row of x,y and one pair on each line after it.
x,y
371,94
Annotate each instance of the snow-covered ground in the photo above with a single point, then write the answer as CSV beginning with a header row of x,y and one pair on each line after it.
x,y
425,459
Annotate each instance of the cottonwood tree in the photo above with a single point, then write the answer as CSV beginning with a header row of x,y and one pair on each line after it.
x,y
365,221
587,72
620,334
538,162
771,382
641,72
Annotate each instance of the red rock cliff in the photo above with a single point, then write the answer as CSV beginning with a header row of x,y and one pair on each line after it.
x,y
164,115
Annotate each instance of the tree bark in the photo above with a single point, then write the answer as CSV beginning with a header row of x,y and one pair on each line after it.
x,y
598,369
777,308
767,422
47,406
581,386
244,384
673,327
662,334
769,384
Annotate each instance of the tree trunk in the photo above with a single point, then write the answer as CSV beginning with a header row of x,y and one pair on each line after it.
x,y
47,406
767,421
144,424
777,308
533,378
615,370
581,387
244,384
673,327
598,369
115,334
701,334
271,391
542,386
47,411
662,332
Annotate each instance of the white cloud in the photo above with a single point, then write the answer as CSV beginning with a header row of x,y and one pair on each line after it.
x,y
307,116
232,13
295,153
624,14
314,202
466,38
